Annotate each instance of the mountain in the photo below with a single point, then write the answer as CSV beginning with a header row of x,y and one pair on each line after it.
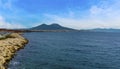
x,y
50,27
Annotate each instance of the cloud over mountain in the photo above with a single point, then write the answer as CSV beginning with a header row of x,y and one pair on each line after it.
x,y
78,14
104,14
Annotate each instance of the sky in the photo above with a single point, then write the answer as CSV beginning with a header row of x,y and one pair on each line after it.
x,y
77,14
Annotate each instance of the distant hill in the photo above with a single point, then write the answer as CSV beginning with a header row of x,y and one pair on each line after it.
x,y
50,27
105,30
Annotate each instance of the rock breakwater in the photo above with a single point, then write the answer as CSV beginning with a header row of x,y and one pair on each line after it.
x,y
9,46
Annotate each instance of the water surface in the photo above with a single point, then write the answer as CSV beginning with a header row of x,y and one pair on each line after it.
x,y
69,50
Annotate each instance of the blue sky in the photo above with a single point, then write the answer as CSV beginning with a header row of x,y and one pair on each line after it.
x,y
78,14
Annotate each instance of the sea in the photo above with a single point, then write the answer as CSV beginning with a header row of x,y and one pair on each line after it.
x,y
69,50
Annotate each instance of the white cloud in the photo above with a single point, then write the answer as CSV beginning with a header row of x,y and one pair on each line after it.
x,y
7,6
4,24
105,14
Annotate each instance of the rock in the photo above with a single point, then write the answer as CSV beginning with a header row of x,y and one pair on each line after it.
x,y
9,46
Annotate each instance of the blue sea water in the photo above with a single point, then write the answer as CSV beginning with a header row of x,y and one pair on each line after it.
x,y
69,50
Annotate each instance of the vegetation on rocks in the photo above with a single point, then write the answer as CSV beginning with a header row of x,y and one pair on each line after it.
x,y
8,46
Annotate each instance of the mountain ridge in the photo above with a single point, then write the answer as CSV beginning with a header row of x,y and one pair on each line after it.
x,y
53,26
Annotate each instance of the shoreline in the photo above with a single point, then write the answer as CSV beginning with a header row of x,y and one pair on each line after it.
x,y
9,46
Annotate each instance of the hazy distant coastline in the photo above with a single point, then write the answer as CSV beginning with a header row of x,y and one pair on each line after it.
x,y
57,28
